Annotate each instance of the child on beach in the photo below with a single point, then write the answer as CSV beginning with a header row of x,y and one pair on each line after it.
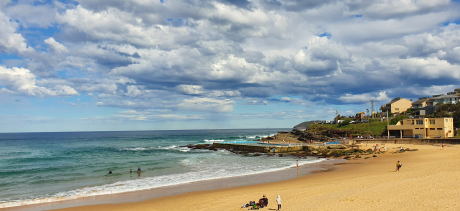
x,y
279,202
398,165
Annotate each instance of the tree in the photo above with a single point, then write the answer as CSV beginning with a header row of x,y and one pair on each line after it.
x,y
395,120
448,110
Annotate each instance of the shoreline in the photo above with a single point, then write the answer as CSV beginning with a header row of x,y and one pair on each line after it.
x,y
428,180
205,185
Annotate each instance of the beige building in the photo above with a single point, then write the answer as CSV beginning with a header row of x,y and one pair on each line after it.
x,y
397,105
423,128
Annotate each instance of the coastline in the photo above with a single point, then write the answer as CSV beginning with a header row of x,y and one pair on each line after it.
x,y
428,180
207,185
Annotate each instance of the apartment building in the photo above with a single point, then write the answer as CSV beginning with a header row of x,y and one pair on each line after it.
x,y
397,105
423,128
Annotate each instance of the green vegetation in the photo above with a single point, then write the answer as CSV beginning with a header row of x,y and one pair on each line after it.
x,y
395,120
345,122
305,124
375,128
448,110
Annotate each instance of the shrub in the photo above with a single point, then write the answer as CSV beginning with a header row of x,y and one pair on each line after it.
x,y
346,122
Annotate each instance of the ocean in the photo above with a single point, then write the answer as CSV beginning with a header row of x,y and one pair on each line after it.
x,y
48,167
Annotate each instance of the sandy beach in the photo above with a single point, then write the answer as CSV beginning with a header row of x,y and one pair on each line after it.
x,y
428,180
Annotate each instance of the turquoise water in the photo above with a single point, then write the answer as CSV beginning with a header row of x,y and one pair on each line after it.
x,y
47,167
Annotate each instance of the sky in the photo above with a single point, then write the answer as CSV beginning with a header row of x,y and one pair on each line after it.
x,y
108,65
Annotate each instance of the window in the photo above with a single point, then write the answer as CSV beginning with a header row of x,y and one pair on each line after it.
x,y
419,122
396,109
447,120
412,122
431,128
432,122
439,128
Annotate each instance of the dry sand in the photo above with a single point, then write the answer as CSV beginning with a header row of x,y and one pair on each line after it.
x,y
429,180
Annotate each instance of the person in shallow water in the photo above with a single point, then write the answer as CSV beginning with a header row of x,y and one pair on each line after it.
x,y
130,171
138,169
110,172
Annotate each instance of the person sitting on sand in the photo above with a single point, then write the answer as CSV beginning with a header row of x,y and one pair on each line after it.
x,y
261,203
265,200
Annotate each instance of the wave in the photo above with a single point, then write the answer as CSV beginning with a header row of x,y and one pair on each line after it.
x,y
259,136
202,173
169,147
137,148
212,140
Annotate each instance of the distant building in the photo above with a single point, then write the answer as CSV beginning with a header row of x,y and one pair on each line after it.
x,y
421,107
451,97
360,115
397,105
423,128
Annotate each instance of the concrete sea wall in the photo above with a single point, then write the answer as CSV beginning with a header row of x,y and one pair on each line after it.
x,y
411,141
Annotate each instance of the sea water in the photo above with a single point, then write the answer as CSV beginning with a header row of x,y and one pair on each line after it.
x,y
47,167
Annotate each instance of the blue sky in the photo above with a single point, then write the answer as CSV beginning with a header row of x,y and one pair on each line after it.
x,y
92,65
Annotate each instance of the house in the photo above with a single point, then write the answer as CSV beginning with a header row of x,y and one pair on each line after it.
x,y
423,106
397,105
423,128
451,97
360,115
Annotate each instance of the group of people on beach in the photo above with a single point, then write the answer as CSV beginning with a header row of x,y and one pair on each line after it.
x,y
263,202
130,171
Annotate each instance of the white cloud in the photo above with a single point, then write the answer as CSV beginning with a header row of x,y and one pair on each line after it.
x,y
22,81
11,42
133,91
189,89
362,98
206,105
57,47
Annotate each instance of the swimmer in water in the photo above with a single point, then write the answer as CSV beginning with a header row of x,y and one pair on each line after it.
x,y
110,172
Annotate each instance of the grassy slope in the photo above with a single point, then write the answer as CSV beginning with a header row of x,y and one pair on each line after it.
x,y
377,128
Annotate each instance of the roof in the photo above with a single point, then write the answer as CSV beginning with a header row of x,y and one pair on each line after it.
x,y
444,96
420,101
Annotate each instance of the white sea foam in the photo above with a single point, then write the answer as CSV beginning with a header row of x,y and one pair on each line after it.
x,y
212,140
203,169
169,147
259,136
137,148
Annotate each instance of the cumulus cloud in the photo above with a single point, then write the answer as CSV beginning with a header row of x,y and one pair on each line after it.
x,y
22,81
57,47
361,98
11,42
207,56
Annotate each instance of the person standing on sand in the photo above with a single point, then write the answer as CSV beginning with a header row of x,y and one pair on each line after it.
x,y
442,146
398,165
279,202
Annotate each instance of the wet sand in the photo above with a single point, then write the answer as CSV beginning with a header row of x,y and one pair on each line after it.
x,y
428,180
